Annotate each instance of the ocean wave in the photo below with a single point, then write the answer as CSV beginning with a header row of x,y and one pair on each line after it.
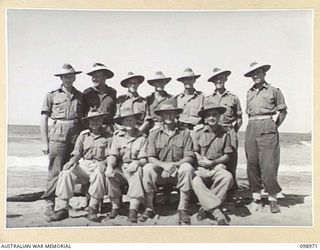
x,y
30,162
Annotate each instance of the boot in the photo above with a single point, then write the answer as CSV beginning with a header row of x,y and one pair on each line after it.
x,y
274,207
133,216
93,215
147,214
59,215
184,217
114,213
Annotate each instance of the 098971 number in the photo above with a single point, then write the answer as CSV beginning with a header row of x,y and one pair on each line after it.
x,y
308,246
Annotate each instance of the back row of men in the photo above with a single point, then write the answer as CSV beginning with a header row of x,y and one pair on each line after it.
x,y
189,139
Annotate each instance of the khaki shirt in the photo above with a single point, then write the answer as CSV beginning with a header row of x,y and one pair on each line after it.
x,y
92,147
136,104
266,101
153,104
211,144
127,148
106,100
232,104
168,148
191,105
61,105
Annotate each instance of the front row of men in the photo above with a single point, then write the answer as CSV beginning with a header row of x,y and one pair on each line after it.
x,y
167,157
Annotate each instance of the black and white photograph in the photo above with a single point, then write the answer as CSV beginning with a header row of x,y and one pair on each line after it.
x,y
148,118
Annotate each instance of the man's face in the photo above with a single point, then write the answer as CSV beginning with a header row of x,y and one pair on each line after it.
x,y
159,85
212,117
129,122
67,80
258,75
96,122
219,81
98,78
133,85
168,117
188,83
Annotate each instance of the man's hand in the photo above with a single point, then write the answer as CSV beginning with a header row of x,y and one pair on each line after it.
x,y
109,172
102,167
68,165
132,167
45,148
169,167
205,163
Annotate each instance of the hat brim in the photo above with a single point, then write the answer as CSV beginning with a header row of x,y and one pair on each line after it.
x,y
105,115
221,110
180,79
119,119
225,72
70,73
164,80
108,72
264,67
160,111
125,81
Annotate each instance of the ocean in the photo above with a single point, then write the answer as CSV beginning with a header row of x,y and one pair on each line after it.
x,y
27,166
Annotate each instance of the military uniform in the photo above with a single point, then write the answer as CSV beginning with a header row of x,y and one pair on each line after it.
x,y
136,104
91,150
169,148
106,100
153,104
191,105
127,149
262,138
233,110
211,191
66,110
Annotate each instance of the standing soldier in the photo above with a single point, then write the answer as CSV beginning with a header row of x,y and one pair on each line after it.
x,y
126,159
212,147
65,107
170,155
87,165
134,101
190,100
100,95
262,138
159,81
231,120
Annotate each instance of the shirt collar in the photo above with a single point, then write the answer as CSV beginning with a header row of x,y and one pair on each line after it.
x,y
176,130
97,90
226,92
195,93
265,85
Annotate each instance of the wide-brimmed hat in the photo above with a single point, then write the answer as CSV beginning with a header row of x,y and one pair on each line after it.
x,y
168,105
159,77
132,75
209,105
126,112
217,71
67,69
100,67
254,66
187,73
96,112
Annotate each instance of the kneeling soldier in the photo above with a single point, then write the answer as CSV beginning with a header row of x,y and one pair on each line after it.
x,y
212,147
87,165
170,155
125,161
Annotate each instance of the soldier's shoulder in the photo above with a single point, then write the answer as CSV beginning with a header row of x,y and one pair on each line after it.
x,y
198,127
88,90
121,98
84,132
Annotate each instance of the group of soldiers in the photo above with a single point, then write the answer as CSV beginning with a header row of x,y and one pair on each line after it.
x,y
188,141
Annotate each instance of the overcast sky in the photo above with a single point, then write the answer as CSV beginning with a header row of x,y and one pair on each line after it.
x,y
40,41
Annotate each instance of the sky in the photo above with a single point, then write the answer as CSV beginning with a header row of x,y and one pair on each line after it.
x,y
39,42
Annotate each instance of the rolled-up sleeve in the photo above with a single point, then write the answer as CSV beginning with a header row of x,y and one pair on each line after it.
x,y
114,148
78,147
47,104
281,105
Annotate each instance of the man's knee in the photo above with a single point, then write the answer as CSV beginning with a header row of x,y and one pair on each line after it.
x,y
186,168
226,177
148,169
196,182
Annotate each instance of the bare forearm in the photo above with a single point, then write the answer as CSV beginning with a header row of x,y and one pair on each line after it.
x,y
282,115
187,159
238,124
221,160
111,161
155,161
44,128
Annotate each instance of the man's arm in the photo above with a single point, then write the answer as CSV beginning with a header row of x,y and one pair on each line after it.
x,y
238,124
282,115
44,132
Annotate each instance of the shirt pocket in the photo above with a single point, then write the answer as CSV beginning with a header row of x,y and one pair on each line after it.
x,y
100,151
59,108
268,101
76,109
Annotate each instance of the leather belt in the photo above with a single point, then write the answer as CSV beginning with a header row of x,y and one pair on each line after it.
x,y
260,117
75,121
